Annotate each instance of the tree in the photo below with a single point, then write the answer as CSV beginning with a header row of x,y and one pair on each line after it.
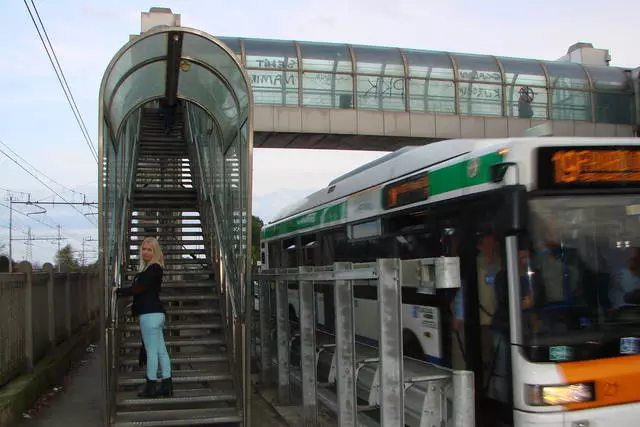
x,y
256,228
65,259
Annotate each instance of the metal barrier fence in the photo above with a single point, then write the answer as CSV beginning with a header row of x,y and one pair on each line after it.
x,y
406,391
40,309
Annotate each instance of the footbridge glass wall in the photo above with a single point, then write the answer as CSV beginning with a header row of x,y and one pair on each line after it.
x,y
323,75
193,67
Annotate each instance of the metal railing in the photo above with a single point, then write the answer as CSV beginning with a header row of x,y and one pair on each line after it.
x,y
406,391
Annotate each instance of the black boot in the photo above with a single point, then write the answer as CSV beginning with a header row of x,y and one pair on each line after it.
x,y
165,389
148,390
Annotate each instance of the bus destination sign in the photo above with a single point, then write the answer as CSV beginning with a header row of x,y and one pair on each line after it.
x,y
410,190
588,167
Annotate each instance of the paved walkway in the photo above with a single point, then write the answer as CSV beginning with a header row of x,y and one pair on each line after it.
x,y
76,402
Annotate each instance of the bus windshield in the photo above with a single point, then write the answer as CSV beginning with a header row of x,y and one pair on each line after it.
x,y
583,273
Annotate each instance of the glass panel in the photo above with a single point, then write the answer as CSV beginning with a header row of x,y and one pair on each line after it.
x,y
270,54
325,57
570,105
526,102
566,75
429,65
432,96
274,87
585,264
151,47
480,99
202,49
614,108
200,85
145,83
478,68
381,93
327,90
607,78
377,60
523,72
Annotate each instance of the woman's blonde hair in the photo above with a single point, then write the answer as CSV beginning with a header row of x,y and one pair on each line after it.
x,y
158,257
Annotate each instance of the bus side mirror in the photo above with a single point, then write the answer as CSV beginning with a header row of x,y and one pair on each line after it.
x,y
499,170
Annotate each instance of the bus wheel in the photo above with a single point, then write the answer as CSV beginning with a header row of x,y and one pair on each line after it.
x,y
411,346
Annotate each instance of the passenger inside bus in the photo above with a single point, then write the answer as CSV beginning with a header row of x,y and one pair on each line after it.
x,y
574,279
626,292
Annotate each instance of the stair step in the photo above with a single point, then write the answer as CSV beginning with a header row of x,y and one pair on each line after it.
x,y
184,203
167,217
175,251
192,311
187,284
171,272
185,417
178,377
141,233
177,341
175,326
183,262
130,398
166,225
207,297
183,360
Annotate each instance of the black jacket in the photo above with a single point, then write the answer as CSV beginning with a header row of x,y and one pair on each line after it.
x,y
145,290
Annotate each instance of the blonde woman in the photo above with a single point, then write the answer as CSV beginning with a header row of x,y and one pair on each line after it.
x,y
146,304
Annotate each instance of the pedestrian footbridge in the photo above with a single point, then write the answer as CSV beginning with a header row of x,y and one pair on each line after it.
x,y
341,96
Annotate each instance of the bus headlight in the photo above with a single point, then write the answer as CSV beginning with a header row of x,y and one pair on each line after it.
x,y
550,395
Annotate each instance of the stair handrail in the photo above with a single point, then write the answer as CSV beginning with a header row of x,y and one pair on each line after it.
x,y
216,222
120,259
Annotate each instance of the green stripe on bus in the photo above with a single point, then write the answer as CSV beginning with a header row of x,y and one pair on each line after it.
x,y
457,177
312,219
450,178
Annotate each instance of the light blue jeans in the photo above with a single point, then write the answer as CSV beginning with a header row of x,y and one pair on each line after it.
x,y
151,326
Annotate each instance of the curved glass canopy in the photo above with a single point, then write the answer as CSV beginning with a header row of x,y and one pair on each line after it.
x,y
178,63
288,73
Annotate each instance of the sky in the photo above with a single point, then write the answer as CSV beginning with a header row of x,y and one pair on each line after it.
x,y
37,124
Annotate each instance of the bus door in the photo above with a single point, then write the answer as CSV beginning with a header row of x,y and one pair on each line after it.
x,y
478,309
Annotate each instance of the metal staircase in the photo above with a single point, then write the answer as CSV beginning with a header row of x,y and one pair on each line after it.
x,y
165,206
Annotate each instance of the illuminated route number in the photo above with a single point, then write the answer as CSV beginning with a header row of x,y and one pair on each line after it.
x,y
410,190
574,167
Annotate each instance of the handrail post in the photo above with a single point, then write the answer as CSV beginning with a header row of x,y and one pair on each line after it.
x,y
345,349
282,325
463,401
308,349
390,347
265,314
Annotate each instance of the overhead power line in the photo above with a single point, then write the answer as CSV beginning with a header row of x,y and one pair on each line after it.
x,y
24,161
46,185
61,78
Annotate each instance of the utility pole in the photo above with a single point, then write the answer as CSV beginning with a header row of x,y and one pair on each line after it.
x,y
83,256
29,244
59,240
10,234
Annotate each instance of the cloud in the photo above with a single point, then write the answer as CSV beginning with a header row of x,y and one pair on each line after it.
x,y
302,170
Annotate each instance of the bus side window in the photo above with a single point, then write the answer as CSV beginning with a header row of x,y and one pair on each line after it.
x,y
290,252
274,254
310,249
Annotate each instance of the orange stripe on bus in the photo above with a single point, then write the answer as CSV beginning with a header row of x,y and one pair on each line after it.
x,y
617,380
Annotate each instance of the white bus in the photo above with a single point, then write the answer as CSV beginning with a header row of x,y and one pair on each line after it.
x,y
547,231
